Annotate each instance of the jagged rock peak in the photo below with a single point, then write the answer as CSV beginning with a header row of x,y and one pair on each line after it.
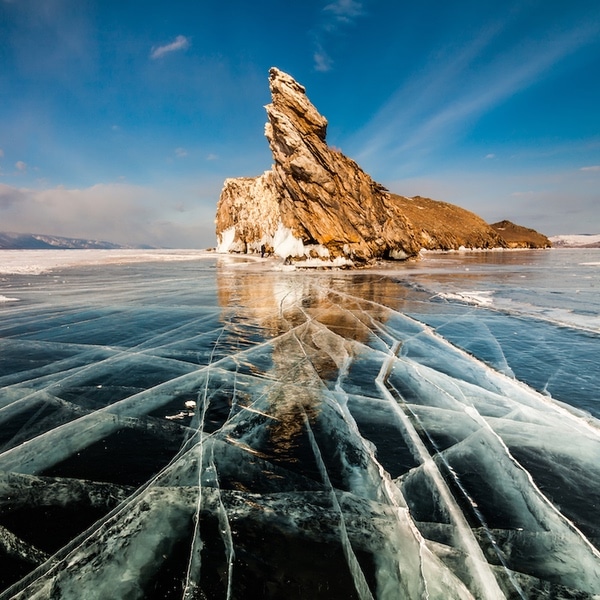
x,y
316,203
290,99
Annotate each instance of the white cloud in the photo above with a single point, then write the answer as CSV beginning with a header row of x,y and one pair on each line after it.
x,y
179,43
336,15
1,153
21,166
114,212
345,10
490,156
594,168
180,152
323,62
212,156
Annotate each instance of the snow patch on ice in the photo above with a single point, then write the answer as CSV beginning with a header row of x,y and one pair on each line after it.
x,y
339,261
478,297
37,262
575,240
7,299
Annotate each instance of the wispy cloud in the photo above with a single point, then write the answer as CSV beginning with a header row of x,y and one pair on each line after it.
x,y
179,43
322,60
490,156
1,153
21,166
335,16
448,96
527,194
180,152
344,10
593,168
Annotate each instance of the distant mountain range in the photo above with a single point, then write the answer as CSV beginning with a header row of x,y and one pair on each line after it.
x,y
584,240
34,241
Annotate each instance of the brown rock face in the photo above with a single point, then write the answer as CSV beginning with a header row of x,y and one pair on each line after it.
x,y
444,226
517,236
317,202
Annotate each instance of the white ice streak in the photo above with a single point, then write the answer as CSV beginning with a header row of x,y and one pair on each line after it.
x,y
358,576
485,583
193,576
530,507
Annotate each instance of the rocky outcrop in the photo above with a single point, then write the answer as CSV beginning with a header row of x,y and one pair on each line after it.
x,y
316,203
444,226
517,236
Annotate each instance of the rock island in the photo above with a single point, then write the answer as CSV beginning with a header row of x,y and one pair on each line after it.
x,y
317,206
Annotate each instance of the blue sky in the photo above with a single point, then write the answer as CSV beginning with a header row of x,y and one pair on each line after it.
x,y
120,120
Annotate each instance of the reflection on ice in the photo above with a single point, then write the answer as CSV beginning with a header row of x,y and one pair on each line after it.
x,y
295,435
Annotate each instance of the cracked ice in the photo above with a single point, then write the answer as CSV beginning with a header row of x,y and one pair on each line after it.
x,y
200,433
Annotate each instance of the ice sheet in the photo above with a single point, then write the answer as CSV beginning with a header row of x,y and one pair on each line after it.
x,y
210,430
35,262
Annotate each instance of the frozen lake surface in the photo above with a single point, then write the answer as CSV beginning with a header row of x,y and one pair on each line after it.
x,y
178,424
